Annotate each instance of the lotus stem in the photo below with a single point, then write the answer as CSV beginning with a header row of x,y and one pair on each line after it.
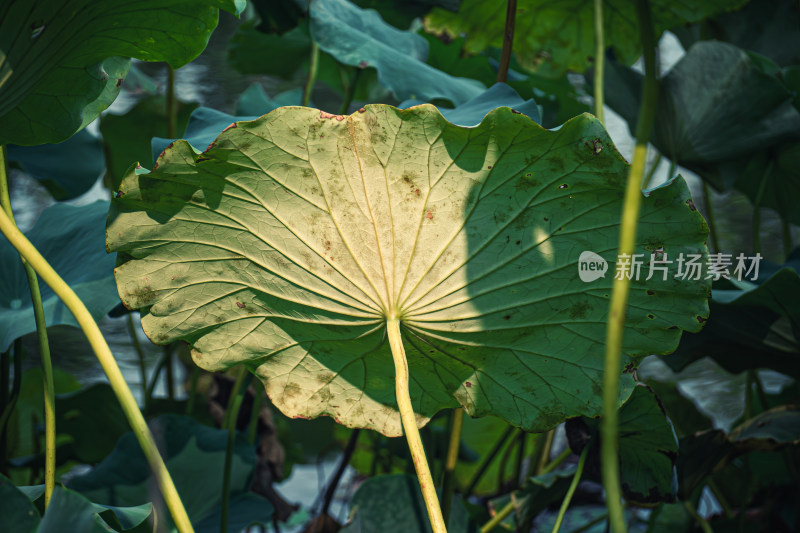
x,y
109,365
409,421
709,212
599,60
137,346
448,484
229,422
312,73
609,431
171,107
757,207
498,518
508,41
44,348
484,466
571,490
560,458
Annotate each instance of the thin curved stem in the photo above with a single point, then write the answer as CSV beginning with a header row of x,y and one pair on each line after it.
x,y
137,346
109,365
44,348
409,421
501,515
560,458
702,522
609,431
312,73
709,212
508,41
571,490
547,446
599,60
448,485
487,461
757,207
650,173
229,422
172,113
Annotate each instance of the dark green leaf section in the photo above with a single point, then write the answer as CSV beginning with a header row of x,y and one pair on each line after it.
x,y
194,454
648,448
17,513
394,504
70,239
255,251
768,27
726,114
63,62
554,36
68,511
67,169
750,326
127,137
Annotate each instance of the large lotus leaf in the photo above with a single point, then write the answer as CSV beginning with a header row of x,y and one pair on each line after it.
x,y
717,104
127,136
290,241
751,326
360,38
194,455
70,238
203,127
768,27
393,504
66,169
555,36
58,58
776,427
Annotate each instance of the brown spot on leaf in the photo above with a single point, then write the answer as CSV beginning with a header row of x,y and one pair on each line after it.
x,y
649,292
232,125
240,305
429,215
690,203
468,384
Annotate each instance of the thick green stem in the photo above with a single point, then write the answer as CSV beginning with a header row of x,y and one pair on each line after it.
x,y
508,41
609,450
229,422
409,421
109,365
709,212
599,60
312,74
448,485
44,349
572,486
